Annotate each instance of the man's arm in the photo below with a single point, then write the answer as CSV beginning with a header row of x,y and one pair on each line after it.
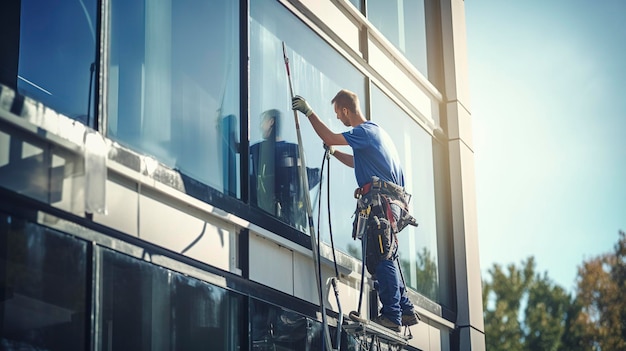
x,y
344,158
327,135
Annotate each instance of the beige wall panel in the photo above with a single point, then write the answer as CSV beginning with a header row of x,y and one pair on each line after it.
x,y
465,229
304,281
459,123
122,205
420,333
271,264
336,21
176,230
400,80
348,297
5,147
434,337
460,49
73,192
455,51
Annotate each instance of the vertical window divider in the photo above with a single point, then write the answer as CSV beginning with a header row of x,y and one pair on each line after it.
x,y
102,69
94,292
244,105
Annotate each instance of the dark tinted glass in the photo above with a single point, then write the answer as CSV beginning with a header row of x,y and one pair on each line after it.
x,y
275,328
146,307
42,288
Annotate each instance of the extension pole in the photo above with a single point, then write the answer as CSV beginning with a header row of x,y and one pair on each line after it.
x,y
307,200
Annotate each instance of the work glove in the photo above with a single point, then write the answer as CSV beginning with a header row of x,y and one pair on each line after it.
x,y
298,103
330,149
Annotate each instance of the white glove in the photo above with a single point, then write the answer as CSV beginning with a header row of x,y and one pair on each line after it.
x,y
331,149
298,103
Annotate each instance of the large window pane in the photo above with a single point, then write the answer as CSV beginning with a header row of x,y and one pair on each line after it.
x,y
275,328
418,248
318,73
204,314
56,53
146,307
403,23
173,85
42,288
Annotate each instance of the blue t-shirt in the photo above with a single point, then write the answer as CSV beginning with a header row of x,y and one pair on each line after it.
x,y
374,154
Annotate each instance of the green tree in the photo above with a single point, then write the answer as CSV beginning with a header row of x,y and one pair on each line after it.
x,y
545,314
540,325
502,297
602,317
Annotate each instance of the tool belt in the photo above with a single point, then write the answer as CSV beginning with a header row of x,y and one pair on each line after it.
x,y
382,211
377,198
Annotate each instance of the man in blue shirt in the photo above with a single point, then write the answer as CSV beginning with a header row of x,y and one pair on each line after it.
x,y
376,166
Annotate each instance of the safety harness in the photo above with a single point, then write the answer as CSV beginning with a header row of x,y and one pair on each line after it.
x,y
382,211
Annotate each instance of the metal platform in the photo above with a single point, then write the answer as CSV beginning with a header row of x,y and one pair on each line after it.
x,y
372,336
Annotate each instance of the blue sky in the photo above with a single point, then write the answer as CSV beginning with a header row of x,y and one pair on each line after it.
x,y
548,103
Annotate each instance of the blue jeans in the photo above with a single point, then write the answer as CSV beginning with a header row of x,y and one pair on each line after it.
x,y
391,289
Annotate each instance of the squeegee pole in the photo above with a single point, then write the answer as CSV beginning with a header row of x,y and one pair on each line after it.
x,y
309,210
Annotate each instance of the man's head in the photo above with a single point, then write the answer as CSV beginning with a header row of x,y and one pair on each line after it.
x,y
346,104
270,124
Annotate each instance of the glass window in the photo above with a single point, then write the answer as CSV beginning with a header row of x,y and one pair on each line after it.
x,y
418,249
357,4
173,85
204,314
318,73
275,328
42,288
403,23
146,307
57,55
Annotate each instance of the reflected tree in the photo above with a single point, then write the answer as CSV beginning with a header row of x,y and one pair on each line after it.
x,y
426,278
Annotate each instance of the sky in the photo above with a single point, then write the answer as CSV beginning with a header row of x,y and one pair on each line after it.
x,y
548,104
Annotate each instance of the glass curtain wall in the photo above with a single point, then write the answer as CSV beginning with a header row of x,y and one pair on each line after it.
x,y
275,328
163,310
418,245
318,73
173,85
57,53
43,288
403,23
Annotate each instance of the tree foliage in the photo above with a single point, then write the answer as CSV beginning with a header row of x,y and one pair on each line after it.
x,y
602,318
526,311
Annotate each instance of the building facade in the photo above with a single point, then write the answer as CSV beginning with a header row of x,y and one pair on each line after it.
x,y
144,205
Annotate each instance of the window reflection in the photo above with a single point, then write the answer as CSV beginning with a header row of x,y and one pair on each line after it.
x,y
173,85
163,310
318,72
276,186
57,55
275,328
42,288
403,23
418,252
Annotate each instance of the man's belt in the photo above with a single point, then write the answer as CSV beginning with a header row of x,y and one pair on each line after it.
x,y
380,185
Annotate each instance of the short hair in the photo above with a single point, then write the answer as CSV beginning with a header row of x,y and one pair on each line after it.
x,y
275,115
346,98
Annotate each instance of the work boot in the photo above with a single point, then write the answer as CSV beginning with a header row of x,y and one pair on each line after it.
x,y
412,318
387,323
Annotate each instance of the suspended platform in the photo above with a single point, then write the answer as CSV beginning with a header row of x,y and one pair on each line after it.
x,y
372,336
